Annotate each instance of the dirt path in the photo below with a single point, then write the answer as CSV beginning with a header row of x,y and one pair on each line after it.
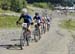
x,y
56,41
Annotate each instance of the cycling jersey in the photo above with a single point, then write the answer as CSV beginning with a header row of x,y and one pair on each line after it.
x,y
27,18
43,20
37,18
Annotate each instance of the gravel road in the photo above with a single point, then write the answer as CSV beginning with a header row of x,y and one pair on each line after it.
x,y
56,41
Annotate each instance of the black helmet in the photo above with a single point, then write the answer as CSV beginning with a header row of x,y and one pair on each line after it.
x,y
36,13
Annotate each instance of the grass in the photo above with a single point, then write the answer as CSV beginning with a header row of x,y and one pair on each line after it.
x,y
72,14
8,21
7,11
68,24
30,9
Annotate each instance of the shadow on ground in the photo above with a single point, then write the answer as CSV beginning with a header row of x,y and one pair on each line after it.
x,y
11,47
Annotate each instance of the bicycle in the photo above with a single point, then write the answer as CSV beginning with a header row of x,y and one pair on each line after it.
x,y
37,35
43,28
48,26
48,23
25,35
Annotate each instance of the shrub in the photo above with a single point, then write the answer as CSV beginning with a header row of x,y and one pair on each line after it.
x,y
41,5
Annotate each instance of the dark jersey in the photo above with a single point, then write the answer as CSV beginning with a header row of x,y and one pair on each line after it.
x,y
37,18
27,18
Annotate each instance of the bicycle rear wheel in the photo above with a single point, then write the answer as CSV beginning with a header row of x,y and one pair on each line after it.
x,y
22,40
27,40
39,34
35,35
48,27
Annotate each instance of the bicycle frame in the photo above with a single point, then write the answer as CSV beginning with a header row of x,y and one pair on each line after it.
x,y
37,33
43,28
24,36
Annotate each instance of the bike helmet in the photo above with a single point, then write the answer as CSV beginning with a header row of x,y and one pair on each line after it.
x,y
24,10
36,13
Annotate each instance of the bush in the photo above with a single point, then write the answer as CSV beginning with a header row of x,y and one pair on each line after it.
x,y
4,6
41,5
17,5
44,5
51,6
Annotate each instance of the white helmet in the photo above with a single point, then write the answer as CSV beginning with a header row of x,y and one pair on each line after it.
x,y
24,10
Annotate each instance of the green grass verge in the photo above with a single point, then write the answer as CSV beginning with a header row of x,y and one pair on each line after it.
x,y
6,11
72,14
8,21
68,24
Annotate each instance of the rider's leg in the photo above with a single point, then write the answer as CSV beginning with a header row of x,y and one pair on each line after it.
x,y
28,29
39,24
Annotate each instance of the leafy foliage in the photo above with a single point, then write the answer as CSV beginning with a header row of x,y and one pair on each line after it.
x,y
15,5
41,5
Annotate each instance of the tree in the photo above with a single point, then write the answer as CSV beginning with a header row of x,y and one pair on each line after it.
x,y
5,4
17,5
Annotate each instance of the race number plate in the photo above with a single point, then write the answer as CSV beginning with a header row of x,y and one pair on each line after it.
x,y
24,25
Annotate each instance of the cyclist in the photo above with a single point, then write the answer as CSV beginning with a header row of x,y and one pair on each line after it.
x,y
37,18
26,17
43,24
48,18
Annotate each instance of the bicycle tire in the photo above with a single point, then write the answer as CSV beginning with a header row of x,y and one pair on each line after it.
x,y
35,35
48,27
27,40
35,38
39,34
22,40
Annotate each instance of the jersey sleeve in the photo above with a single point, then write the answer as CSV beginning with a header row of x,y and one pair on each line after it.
x,y
34,18
20,17
40,17
30,18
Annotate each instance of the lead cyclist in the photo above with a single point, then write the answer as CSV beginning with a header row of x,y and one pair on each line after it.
x,y
26,18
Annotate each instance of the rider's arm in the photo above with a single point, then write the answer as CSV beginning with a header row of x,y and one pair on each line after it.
x,y
31,18
34,18
40,18
20,18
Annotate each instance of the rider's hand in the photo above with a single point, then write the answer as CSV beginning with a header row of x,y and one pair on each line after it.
x,y
17,23
32,23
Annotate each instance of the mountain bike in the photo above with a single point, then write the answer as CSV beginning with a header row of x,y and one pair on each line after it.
x,y
37,34
43,28
48,26
25,36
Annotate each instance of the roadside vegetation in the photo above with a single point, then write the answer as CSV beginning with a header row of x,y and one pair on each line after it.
x,y
6,11
68,24
43,5
8,22
72,14
19,4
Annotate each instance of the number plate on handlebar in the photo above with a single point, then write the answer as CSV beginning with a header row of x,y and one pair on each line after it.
x,y
24,25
